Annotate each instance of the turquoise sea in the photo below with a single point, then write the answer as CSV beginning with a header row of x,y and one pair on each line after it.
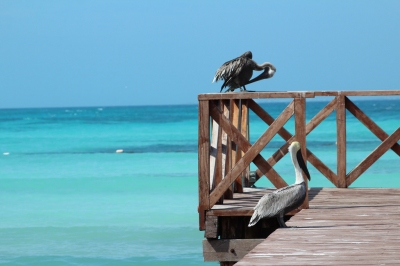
x,y
68,198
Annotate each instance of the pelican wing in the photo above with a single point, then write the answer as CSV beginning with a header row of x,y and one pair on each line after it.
x,y
231,69
282,200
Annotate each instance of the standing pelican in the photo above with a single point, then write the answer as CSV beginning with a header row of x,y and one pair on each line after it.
x,y
237,72
285,199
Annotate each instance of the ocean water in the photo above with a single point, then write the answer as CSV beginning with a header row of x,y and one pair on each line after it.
x,y
67,197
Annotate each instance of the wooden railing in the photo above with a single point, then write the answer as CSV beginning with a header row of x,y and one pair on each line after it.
x,y
225,154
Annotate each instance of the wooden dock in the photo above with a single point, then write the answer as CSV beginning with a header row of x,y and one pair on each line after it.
x,y
334,226
341,227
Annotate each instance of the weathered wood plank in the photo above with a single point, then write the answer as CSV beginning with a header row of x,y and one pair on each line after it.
x,y
211,226
373,156
341,140
220,163
244,127
254,95
236,154
292,94
342,227
372,93
203,161
214,152
251,153
226,161
358,93
228,249
370,124
320,198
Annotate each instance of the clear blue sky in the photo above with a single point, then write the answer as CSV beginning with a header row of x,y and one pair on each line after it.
x,y
110,53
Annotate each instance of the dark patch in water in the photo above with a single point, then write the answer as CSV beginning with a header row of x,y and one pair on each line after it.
x,y
156,148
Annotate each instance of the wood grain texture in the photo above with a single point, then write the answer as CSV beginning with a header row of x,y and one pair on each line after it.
x,y
300,136
358,93
341,141
236,153
203,161
341,227
228,249
226,160
244,129
292,94
254,95
211,227
215,136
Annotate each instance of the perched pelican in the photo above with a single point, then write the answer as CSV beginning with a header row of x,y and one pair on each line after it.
x,y
285,199
237,72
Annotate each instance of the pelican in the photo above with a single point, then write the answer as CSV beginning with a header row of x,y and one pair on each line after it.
x,y
285,199
237,72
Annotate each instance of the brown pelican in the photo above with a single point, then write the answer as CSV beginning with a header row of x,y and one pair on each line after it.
x,y
237,72
285,199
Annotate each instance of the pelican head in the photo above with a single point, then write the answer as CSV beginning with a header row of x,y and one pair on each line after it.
x,y
297,157
269,71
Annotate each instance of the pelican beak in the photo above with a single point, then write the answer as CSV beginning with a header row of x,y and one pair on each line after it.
x,y
302,164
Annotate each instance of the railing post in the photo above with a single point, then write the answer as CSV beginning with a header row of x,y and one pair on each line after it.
x,y
204,161
341,140
300,128
236,154
245,132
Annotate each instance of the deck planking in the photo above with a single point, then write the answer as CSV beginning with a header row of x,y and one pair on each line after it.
x,y
341,227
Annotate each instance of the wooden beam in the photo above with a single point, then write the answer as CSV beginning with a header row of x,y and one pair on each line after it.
x,y
226,155
293,94
255,95
371,125
215,135
373,156
371,93
228,249
341,140
220,163
244,129
251,153
358,93
236,154
211,227
203,161
300,128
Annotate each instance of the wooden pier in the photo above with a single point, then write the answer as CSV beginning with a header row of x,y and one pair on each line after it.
x,y
342,225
